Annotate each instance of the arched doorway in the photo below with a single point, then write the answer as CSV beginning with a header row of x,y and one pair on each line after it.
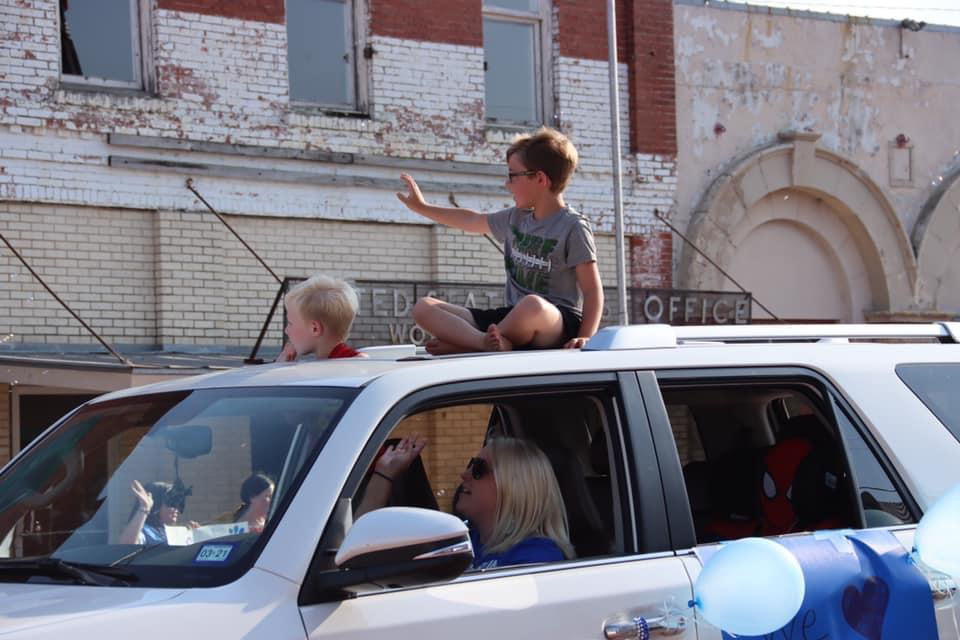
x,y
808,273
807,232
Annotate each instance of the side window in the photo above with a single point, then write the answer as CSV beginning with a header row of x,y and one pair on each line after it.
x,y
881,502
766,458
549,455
322,45
454,435
514,33
101,43
935,385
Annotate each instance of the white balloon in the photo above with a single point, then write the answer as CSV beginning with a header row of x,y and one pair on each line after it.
x,y
937,539
750,587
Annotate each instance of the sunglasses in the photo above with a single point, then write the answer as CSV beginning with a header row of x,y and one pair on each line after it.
x,y
511,175
478,468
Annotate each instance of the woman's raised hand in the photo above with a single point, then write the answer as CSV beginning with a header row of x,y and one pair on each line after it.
x,y
396,459
142,495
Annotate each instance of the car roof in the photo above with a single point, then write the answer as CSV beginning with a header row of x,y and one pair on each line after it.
x,y
826,357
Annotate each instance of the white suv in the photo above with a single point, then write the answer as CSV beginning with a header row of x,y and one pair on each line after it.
x,y
664,440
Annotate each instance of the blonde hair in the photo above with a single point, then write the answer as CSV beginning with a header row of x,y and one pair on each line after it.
x,y
326,300
529,503
549,151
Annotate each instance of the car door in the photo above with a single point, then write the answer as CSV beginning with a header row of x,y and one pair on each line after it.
x,y
576,598
682,406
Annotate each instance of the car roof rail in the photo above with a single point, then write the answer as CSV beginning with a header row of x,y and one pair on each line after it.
x,y
820,332
392,351
649,336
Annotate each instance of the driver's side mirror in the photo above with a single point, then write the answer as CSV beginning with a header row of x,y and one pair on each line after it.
x,y
399,547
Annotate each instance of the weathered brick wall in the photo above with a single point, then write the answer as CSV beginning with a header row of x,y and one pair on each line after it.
x,y
644,48
142,260
650,259
262,10
98,261
181,278
653,120
225,79
453,21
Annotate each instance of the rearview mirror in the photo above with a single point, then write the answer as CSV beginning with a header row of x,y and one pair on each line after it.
x,y
190,441
399,547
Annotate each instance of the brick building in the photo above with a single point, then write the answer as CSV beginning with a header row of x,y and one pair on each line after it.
x,y
294,120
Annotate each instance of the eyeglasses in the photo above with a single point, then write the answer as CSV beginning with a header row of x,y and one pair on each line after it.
x,y
478,468
516,174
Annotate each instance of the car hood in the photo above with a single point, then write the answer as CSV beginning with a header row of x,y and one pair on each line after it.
x,y
31,606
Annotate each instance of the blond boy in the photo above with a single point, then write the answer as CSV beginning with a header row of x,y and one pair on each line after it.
x,y
554,297
320,311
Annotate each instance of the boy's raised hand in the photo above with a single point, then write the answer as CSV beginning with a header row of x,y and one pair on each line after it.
x,y
414,198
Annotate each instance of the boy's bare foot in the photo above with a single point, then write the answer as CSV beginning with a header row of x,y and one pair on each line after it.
x,y
437,347
496,341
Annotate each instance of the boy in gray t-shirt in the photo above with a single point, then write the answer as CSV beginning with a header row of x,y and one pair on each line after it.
x,y
553,293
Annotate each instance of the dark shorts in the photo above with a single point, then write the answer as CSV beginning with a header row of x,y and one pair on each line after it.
x,y
483,318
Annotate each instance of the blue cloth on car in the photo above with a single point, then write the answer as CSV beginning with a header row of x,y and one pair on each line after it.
x,y
860,585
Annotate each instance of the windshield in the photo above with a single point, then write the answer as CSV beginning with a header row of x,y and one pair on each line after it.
x,y
177,488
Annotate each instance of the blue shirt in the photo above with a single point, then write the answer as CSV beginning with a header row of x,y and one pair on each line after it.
x,y
529,551
152,535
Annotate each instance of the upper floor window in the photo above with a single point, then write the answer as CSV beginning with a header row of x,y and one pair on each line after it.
x,y
516,42
322,56
101,42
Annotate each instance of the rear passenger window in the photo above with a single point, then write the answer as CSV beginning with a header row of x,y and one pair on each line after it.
x,y
765,458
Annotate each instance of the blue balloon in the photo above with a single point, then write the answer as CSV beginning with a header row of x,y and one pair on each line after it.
x,y
750,587
937,539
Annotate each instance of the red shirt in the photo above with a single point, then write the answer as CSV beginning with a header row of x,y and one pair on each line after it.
x,y
343,350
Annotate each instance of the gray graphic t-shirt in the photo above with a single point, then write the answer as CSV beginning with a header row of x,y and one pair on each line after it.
x,y
541,255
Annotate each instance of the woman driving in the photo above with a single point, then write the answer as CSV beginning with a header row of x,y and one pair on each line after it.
x,y
509,496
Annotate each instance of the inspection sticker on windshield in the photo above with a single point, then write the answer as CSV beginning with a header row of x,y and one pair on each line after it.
x,y
213,553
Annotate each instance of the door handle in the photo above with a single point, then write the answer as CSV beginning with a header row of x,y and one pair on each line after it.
x,y
640,628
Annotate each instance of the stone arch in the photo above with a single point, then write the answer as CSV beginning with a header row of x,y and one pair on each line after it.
x,y
936,238
862,219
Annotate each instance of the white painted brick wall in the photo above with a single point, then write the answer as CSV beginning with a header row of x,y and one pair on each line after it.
x,y
99,261
140,258
225,80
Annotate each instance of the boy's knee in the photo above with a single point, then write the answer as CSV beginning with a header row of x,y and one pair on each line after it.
x,y
422,306
533,303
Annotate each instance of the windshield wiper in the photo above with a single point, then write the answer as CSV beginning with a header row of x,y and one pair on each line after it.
x,y
89,574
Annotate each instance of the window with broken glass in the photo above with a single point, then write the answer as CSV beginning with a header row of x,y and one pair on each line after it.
x,y
101,43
